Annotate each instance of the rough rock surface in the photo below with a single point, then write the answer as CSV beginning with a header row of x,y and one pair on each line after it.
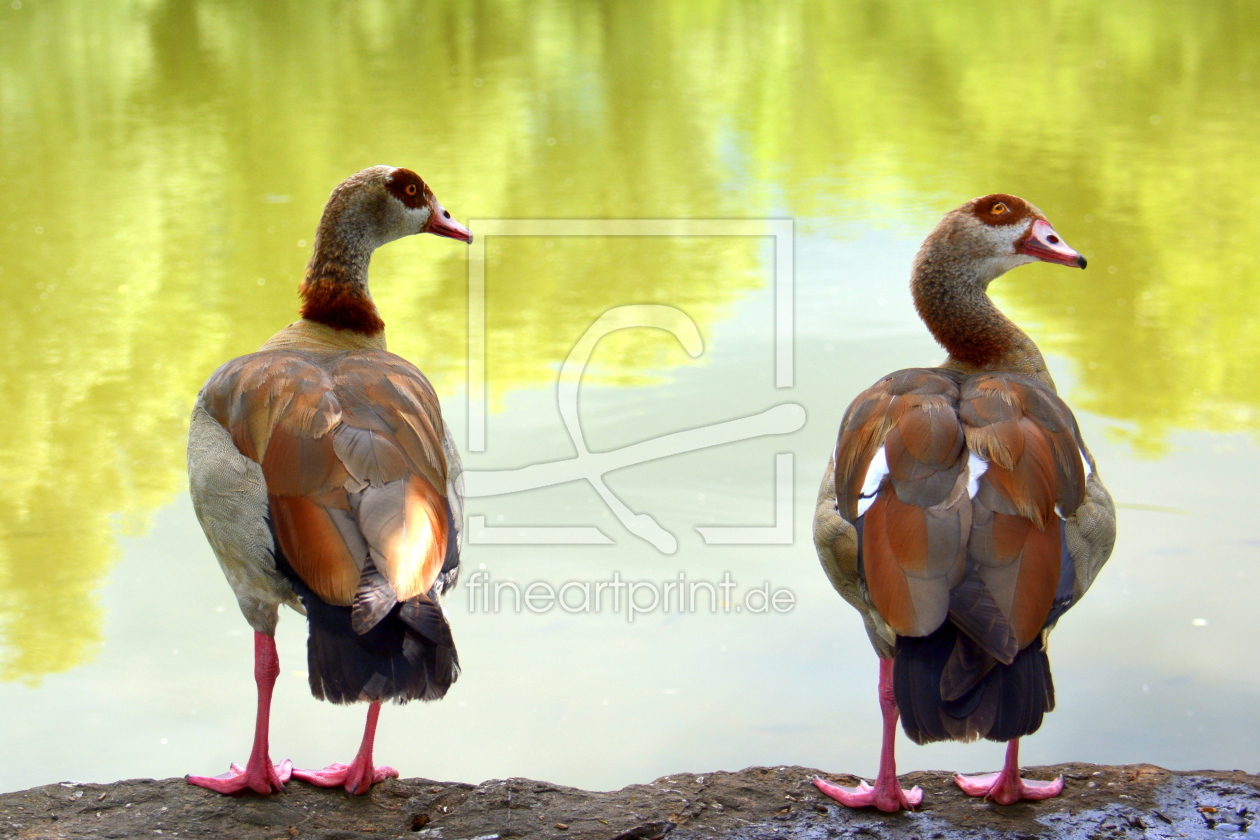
x,y
1136,801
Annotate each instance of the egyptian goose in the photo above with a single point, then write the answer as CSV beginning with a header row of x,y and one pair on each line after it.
x,y
961,513
325,479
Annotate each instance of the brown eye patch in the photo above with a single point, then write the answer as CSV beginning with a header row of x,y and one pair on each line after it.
x,y
409,189
1000,209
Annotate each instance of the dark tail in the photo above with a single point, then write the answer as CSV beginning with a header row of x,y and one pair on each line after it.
x,y
404,652
1004,702
408,655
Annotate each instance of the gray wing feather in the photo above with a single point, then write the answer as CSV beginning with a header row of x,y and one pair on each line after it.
x,y
1091,534
455,502
230,498
836,541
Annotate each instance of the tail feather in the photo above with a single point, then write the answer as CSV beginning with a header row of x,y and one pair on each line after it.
x,y
967,665
425,616
373,600
377,649
391,661
1004,702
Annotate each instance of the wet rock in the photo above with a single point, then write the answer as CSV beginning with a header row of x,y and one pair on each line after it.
x,y
759,803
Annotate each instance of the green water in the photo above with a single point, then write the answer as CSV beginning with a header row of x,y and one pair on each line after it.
x,y
162,166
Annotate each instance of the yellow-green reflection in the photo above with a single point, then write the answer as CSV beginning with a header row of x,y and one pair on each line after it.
x,y
159,159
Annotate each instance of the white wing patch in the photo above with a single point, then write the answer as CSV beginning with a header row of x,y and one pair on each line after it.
x,y
976,467
874,478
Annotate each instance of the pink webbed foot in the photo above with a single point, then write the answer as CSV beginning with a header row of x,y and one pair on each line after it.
x,y
260,777
359,775
1007,788
356,777
884,796
258,774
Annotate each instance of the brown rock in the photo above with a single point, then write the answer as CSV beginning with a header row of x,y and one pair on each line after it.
x,y
1137,801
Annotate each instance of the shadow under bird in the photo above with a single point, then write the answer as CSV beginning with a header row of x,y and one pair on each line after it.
x,y
325,479
961,512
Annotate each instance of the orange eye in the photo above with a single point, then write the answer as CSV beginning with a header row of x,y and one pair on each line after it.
x,y
410,189
998,209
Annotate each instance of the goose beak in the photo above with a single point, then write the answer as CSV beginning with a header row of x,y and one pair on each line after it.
x,y
1042,243
441,224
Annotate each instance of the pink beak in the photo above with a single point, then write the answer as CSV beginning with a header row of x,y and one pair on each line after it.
x,y
1043,243
441,224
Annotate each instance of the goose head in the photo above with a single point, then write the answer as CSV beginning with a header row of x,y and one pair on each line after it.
x,y
988,236
370,208
383,203
972,245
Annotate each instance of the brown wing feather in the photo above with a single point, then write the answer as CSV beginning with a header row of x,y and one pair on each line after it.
x,y
914,533
1006,414
350,446
299,464
315,548
1019,564
1040,563
931,398
252,395
403,513
371,457
411,557
885,579
861,434
386,394
1029,439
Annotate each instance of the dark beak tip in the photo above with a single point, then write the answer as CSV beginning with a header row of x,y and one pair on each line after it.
x,y
1081,262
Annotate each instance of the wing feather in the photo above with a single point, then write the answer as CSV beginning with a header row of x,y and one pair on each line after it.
x,y
913,542
313,546
352,449
1035,472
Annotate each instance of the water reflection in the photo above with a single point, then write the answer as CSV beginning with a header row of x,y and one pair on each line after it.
x,y
162,165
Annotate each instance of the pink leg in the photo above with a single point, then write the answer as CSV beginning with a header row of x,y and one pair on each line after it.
x,y
1006,787
887,794
259,775
358,775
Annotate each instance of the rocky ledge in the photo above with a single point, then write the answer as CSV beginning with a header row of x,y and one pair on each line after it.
x,y
1138,801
